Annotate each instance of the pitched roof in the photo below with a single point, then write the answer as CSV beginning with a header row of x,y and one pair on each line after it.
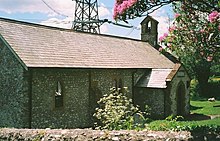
x,y
155,78
42,46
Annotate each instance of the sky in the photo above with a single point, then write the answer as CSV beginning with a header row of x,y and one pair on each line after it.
x,y
61,15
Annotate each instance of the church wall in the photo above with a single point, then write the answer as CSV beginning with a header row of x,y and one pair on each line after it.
x,y
79,87
180,77
14,111
74,85
154,98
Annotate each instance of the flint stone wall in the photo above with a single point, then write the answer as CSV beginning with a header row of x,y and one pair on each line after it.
x,y
90,135
13,90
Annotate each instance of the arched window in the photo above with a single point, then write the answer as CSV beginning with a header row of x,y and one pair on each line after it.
x,y
148,28
118,84
58,96
115,84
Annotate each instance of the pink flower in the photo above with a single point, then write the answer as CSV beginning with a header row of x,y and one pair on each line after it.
x,y
161,38
165,35
202,30
160,49
177,15
213,16
172,28
209,58
121,6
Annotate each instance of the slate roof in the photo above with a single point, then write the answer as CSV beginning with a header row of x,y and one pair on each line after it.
x,y
158,78
42,46
155,78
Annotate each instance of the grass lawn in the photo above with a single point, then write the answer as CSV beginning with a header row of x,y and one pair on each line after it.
x,y
201,108
163,125
205,107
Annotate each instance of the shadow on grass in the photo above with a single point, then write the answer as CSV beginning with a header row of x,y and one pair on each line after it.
x,y
195,108
196,117
216,106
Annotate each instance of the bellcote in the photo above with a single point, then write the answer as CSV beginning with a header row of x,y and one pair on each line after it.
x,y
149,31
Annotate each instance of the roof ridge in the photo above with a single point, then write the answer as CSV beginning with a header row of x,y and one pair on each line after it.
x,y
63,29
39,46
31,24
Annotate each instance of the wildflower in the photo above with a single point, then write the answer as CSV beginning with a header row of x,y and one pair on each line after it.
x,y
213,16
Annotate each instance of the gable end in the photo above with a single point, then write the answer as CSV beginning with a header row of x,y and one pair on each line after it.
x,y
13,52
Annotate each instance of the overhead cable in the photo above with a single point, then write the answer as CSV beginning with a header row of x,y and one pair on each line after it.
x,y
54,9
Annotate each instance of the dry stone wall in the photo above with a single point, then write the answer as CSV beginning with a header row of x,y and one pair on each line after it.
x,y
90,135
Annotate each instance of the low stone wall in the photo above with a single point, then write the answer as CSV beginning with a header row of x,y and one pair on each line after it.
x,y
89,135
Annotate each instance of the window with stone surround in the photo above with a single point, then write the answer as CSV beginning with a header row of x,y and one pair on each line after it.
x,y
58,96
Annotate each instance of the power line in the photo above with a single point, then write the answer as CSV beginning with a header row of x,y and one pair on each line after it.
x,y
54,9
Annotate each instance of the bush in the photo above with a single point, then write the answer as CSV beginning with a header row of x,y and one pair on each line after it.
x,y
194,87
213,88
117,112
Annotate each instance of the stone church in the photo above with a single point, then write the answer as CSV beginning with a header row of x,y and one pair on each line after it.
x,y
51,77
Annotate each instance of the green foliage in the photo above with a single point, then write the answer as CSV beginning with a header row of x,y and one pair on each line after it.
x,y
194,39
196,126
174,118
213,88
201,108
117,112
194,90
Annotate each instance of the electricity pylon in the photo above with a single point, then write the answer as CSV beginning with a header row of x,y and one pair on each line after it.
x,y
86,16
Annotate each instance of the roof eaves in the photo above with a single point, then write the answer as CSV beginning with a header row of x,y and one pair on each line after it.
x,y
14,53
173,72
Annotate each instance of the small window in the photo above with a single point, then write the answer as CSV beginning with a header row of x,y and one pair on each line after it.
x,y
149,27
118,84
58,96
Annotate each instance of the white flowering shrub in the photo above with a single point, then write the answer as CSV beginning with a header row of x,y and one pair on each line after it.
x,y
117,112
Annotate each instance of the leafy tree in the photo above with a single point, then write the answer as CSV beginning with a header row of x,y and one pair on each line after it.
x,y
129,9
194,36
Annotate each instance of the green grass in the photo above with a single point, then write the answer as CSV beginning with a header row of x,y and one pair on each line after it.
x,y
163,125
202,108
205,107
